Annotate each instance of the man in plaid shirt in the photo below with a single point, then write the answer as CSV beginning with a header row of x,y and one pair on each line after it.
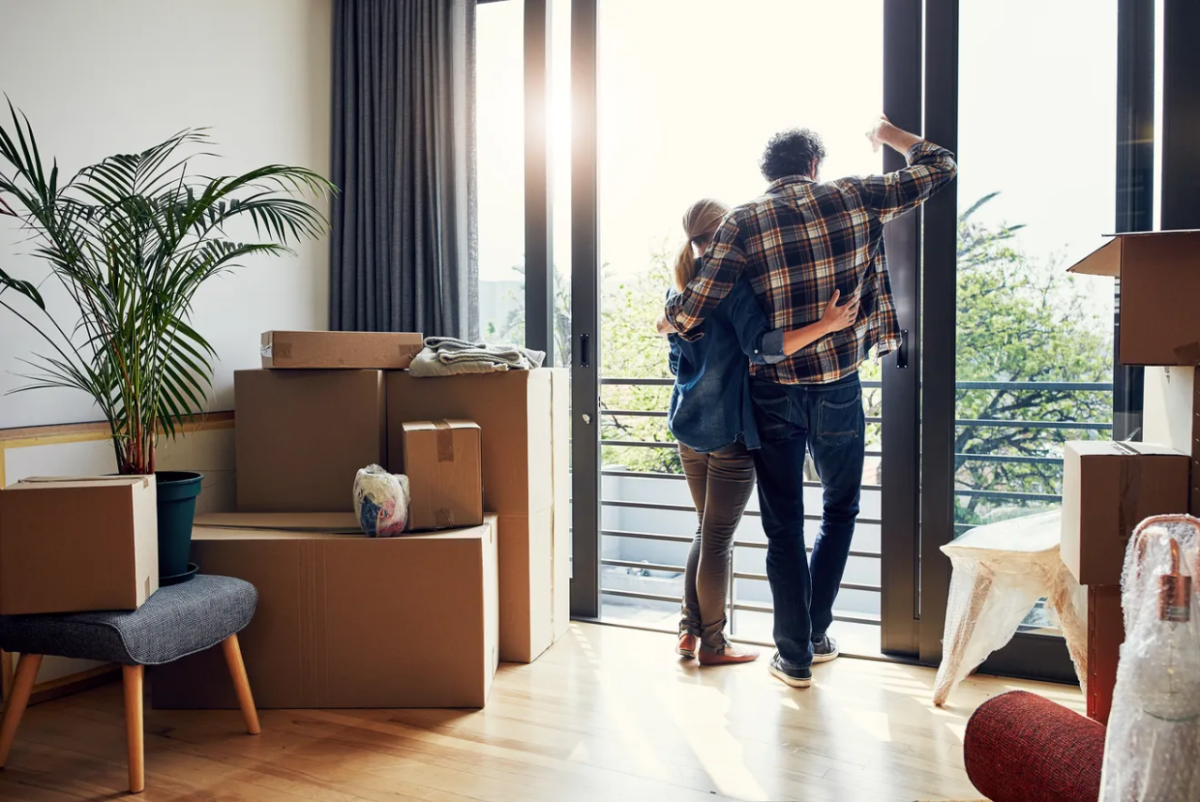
x,y
796,245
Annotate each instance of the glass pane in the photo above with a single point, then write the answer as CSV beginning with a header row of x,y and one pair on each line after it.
x,y
1037,190
675,128
500,117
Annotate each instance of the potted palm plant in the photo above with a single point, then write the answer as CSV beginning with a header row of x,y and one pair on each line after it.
x,y
129,241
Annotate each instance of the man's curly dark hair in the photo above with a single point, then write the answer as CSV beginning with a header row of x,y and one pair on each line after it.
x,y
792,152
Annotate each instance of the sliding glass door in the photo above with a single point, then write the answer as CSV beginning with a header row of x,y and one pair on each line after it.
x,y
1006,357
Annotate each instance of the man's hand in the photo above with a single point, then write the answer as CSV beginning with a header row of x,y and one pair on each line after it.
x,y
837,317
884,133
664,326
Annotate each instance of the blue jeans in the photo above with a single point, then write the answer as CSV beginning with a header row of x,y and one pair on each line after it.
x,y
828,420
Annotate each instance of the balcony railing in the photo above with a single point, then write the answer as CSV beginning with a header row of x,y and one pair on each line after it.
x,y
622,477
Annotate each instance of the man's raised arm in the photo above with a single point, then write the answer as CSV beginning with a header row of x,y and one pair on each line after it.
x,y
720,269
930,168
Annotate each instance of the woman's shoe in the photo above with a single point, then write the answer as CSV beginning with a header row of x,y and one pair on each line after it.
x,y
687,645
727,655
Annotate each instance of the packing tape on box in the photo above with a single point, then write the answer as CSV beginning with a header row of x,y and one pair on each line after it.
x,y
1127,510
445,517
445,441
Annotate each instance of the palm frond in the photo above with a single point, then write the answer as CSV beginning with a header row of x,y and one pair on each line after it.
x,y
132,239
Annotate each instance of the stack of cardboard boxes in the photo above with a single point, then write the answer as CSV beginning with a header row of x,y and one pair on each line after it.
x,y
1110,487
413,621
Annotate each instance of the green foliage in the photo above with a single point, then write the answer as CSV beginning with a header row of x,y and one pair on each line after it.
x,y
633,349
1020,321
131,240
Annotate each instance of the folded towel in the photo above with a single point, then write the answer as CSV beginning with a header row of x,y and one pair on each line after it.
x,y
447,356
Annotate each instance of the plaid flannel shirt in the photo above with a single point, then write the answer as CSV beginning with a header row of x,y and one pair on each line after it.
x,y
801,241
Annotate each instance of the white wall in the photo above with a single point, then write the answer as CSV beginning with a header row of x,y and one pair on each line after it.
x,y
98,78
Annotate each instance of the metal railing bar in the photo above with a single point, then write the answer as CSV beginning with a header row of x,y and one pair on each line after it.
x,y
1015,495
1030,424
1061,387
966,457
681,477
860,618
743,544
635,413
669,569
844,586
650,505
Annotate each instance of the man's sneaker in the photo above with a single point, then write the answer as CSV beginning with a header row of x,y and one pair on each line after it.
x,y
824,649
795,677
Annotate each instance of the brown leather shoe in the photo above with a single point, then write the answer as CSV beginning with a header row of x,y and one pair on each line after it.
x,y
687,645
729,655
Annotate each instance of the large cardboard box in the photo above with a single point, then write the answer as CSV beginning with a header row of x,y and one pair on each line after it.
x,y
1171,416
1108,489
443,464
1160,282
348,621
523,417
72,545
303,435
340,349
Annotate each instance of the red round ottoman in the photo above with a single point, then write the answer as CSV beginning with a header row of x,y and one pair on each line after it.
x,y
1020,747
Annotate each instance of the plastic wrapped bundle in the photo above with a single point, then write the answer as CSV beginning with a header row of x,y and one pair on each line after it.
x,y
1000,572
381,501
1154,729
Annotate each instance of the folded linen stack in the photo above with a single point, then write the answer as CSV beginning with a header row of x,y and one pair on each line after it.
x,y
448,356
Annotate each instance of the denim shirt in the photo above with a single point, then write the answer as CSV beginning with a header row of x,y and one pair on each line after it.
x,y
710,403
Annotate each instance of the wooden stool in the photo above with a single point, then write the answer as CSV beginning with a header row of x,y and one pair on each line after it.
x,y
174,622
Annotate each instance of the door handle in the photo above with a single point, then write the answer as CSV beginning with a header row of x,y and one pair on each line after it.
x,y
902,352
585,351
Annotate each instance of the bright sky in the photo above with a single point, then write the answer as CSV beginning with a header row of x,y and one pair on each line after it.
x,y
692,89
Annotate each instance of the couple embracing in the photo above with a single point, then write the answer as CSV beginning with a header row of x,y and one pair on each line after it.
x,y
776,304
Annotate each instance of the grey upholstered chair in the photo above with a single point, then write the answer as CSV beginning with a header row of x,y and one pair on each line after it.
x,y
174,622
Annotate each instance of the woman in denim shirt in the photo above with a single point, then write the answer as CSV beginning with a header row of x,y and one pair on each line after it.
x,y
711,417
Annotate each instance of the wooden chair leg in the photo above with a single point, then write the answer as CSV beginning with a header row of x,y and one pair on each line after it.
x,y
18,698
237,670
134,733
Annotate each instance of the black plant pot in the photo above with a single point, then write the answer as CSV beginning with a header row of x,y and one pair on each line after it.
x,y
177,492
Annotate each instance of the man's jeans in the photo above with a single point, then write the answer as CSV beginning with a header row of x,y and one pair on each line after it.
x,y
828,419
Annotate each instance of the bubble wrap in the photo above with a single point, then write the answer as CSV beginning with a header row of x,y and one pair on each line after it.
x,y
1000,572
1152,750
381,501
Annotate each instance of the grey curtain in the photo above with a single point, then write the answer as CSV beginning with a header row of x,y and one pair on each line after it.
x,y
404,244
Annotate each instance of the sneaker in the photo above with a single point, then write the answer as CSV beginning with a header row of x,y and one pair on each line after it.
x,y
727,655
824,649
687,645
795,677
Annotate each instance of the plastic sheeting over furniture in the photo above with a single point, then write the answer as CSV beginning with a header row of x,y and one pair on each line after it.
x,y
1000,572
1154,729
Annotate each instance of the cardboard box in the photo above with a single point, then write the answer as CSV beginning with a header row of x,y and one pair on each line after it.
x,y
1171,416
340,349
523,418
303,435
1106,633
349,621
443,464
1108,489
1160,282
73,545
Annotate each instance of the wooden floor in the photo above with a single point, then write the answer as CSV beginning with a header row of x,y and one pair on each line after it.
x,y
608,714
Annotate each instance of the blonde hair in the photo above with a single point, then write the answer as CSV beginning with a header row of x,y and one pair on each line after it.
x,y
700,222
